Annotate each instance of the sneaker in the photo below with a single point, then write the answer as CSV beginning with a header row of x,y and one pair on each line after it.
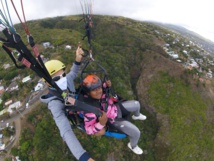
x,y
136,150
140,117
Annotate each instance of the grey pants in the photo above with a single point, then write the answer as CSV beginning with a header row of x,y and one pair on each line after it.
x,y
126,126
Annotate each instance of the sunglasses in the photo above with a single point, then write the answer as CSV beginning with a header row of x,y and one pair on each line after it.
x,y
56,78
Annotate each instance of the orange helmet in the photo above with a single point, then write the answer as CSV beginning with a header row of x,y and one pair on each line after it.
x,y
92,82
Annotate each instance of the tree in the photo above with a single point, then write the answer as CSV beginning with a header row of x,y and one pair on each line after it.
x,y
6,132
14,151
6,96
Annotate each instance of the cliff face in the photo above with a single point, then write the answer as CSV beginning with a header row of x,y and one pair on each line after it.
x,y
168,136
152,64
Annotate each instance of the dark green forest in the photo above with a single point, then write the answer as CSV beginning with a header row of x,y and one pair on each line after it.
x,y
177,126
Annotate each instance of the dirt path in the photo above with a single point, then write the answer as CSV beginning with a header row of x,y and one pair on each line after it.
x,y
17,119
18,132
16,137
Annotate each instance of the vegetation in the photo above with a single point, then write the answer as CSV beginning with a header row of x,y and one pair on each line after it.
x,y
177,129
186,113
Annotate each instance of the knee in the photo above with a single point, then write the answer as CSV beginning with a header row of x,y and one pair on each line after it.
x,y
137,104
136,132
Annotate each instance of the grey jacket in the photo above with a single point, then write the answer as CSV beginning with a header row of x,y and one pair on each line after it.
x,y
57,109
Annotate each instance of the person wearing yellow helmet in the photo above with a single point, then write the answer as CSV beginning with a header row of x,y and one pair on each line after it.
x,y
64,81
54,66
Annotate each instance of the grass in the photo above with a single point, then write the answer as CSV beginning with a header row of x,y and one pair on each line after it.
x,y
189,136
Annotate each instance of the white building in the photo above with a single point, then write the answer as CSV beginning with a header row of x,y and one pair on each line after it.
x,y
14,88
16,158
167,45
184,51
194,65
174,56
68,47
209,74
38,87
8,102
46,44
14,105
2,147
26,79
5,66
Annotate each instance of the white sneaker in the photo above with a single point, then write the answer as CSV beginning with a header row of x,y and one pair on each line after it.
x,y
136,150
140,117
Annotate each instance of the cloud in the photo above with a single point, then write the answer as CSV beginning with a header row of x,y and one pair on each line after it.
x,y
197,14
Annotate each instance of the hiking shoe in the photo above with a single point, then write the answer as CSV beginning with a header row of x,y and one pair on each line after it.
x,y
140,117
136,149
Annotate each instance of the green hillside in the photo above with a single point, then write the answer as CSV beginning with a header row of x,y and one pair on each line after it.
x,y
178,106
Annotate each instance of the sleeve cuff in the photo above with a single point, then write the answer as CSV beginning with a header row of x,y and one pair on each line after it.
x,y
99,126
84,157
77,63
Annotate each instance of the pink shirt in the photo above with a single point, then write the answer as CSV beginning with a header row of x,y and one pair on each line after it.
x,y
92,124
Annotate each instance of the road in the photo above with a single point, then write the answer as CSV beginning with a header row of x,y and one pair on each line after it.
x,y
33,101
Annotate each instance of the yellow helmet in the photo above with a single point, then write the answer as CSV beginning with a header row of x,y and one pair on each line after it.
x,y
54,66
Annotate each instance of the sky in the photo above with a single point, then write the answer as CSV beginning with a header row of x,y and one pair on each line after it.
x,y
195,15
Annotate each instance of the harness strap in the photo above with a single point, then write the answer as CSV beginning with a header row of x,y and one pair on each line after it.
x,y
81,106
14,41
78,106
9,52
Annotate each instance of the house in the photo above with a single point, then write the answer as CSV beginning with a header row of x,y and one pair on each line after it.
x,y
13,86
193,65
38,87
210,61
170,52
2,147
167,45
184,51
165,49
8,102
14,105
199,60
209,74
46,44
16,158
174,56
68,47
5,66
26,79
